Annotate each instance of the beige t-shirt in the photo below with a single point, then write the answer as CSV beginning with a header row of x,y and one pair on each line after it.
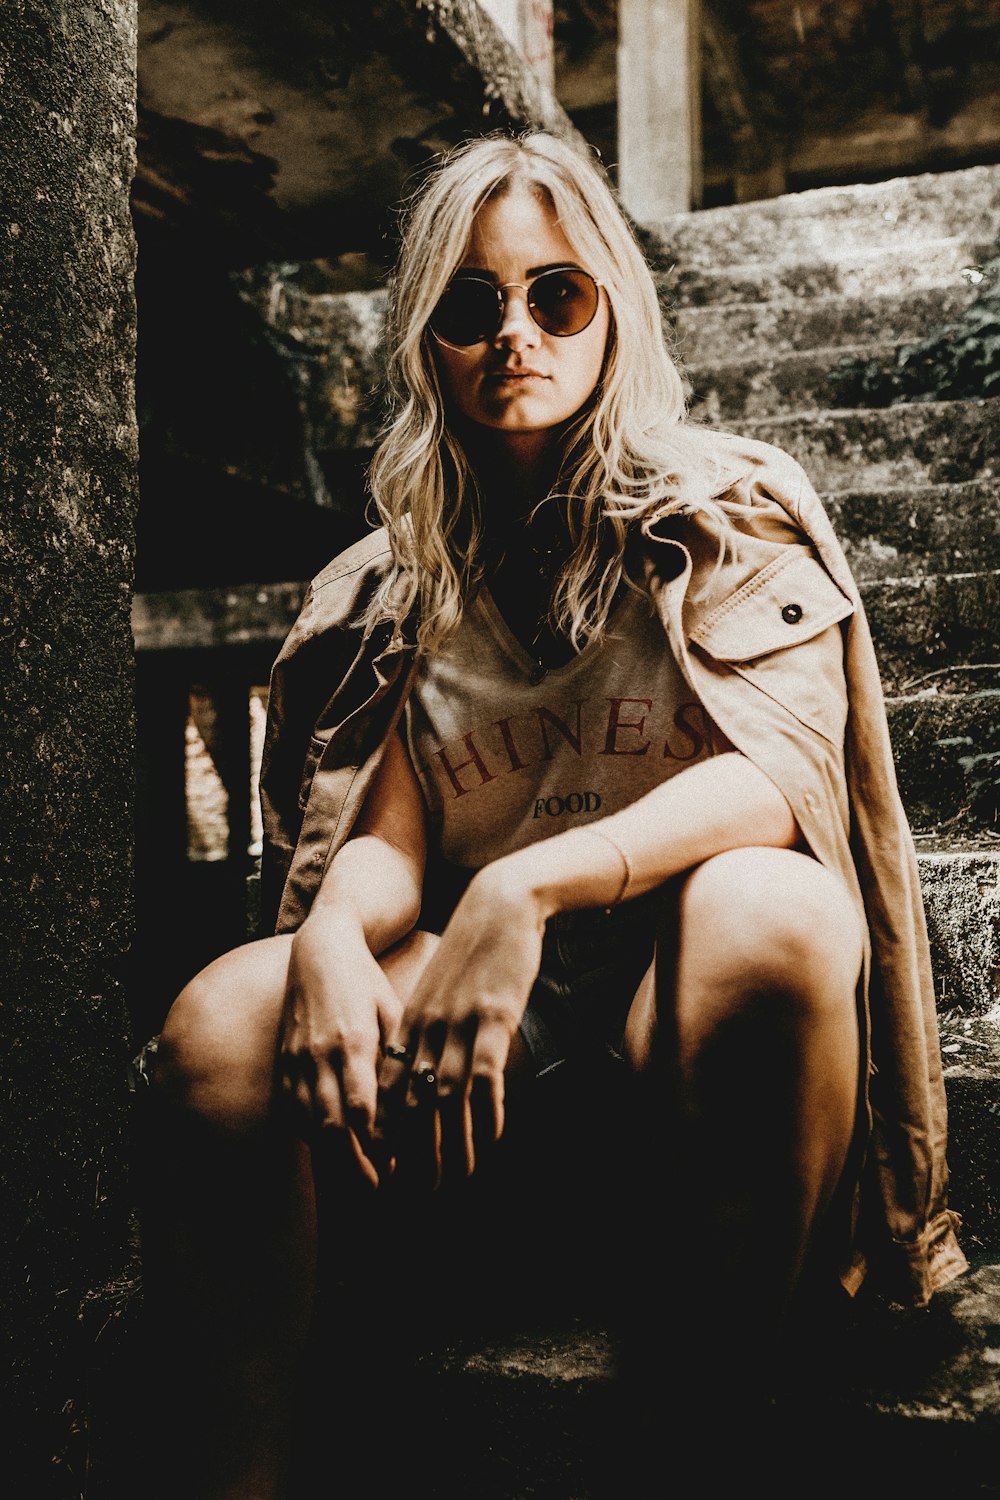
x,y
505,759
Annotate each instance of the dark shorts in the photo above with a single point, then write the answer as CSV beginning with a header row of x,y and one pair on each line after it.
x,y
592,964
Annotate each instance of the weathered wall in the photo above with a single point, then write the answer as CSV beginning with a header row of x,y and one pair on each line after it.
x,y
68,472
271,132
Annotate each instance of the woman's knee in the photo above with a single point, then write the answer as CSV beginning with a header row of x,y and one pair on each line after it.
x,y
215,1058
765,920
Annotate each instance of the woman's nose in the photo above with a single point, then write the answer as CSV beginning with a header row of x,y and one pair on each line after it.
x,y
518,329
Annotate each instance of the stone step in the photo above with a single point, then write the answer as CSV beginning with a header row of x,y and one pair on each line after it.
x,y
970,1056
946,745
245,614
733,392
704,335
916,443
935,626
911,530
871,1400
960,887
862,273
898,215
331,344
910,1397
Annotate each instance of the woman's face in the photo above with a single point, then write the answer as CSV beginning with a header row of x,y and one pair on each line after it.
x,y
523,382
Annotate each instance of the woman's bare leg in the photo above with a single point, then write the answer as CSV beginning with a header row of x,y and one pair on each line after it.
x,y
749,1029
229,1230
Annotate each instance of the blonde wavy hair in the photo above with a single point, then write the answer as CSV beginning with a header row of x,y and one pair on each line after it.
x,y
626,453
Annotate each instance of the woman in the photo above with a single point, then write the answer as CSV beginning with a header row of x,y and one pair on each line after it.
x,y
578,763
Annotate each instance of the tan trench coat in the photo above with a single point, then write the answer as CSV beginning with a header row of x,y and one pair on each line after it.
x,y
812,718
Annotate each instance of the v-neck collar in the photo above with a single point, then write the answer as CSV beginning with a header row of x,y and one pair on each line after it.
x,y
532,666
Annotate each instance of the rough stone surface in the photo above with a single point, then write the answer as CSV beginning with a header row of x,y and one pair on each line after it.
x,y
266,132
216,619
68,473
944,626
947,750
861,273
917,530
332,346
961,894
829,322
970,1052
933,442
739,390
824,223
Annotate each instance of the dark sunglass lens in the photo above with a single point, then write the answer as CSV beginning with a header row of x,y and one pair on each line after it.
x,y
467,313
563,302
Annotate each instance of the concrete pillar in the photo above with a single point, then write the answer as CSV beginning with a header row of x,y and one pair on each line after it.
x,y
659,107
68,494
528,24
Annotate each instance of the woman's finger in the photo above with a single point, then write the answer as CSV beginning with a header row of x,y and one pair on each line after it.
x,y
486,1101
328,1108
358,1088
395,1065
302,1094
334,1101
457,1156
413,1123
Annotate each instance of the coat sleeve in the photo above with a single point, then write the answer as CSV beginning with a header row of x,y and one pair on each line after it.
x,y
312,687
912,1236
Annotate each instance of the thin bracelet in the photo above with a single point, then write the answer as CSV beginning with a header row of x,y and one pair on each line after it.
x,y
627,879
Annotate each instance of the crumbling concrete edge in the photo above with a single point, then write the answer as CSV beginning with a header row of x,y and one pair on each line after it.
x,y
508,79
961,891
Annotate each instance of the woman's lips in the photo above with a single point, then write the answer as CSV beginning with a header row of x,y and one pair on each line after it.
x,y
500,377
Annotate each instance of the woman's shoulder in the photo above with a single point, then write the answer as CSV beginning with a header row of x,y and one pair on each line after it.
x,y
370,553
337,598
737,457
766,492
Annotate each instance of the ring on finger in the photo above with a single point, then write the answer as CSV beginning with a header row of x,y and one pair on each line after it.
x,y
424,1075
398,1053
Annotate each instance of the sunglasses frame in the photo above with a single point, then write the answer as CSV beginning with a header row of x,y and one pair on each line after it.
x,y
523,286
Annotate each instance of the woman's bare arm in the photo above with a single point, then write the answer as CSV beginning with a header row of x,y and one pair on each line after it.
x,y
722,803
340,1009
375,880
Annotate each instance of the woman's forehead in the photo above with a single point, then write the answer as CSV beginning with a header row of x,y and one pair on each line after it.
x,y
520,223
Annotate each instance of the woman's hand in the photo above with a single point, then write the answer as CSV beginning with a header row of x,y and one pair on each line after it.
x,y
340,1010
458,1023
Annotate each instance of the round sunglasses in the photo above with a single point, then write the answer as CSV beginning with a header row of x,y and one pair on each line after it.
x,y
562,301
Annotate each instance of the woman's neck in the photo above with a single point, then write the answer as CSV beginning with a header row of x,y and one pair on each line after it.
x,y
515,471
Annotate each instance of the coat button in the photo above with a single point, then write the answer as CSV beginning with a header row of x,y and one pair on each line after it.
x,y
791,613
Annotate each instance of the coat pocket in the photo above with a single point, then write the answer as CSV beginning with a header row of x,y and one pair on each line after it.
x,y
778,632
